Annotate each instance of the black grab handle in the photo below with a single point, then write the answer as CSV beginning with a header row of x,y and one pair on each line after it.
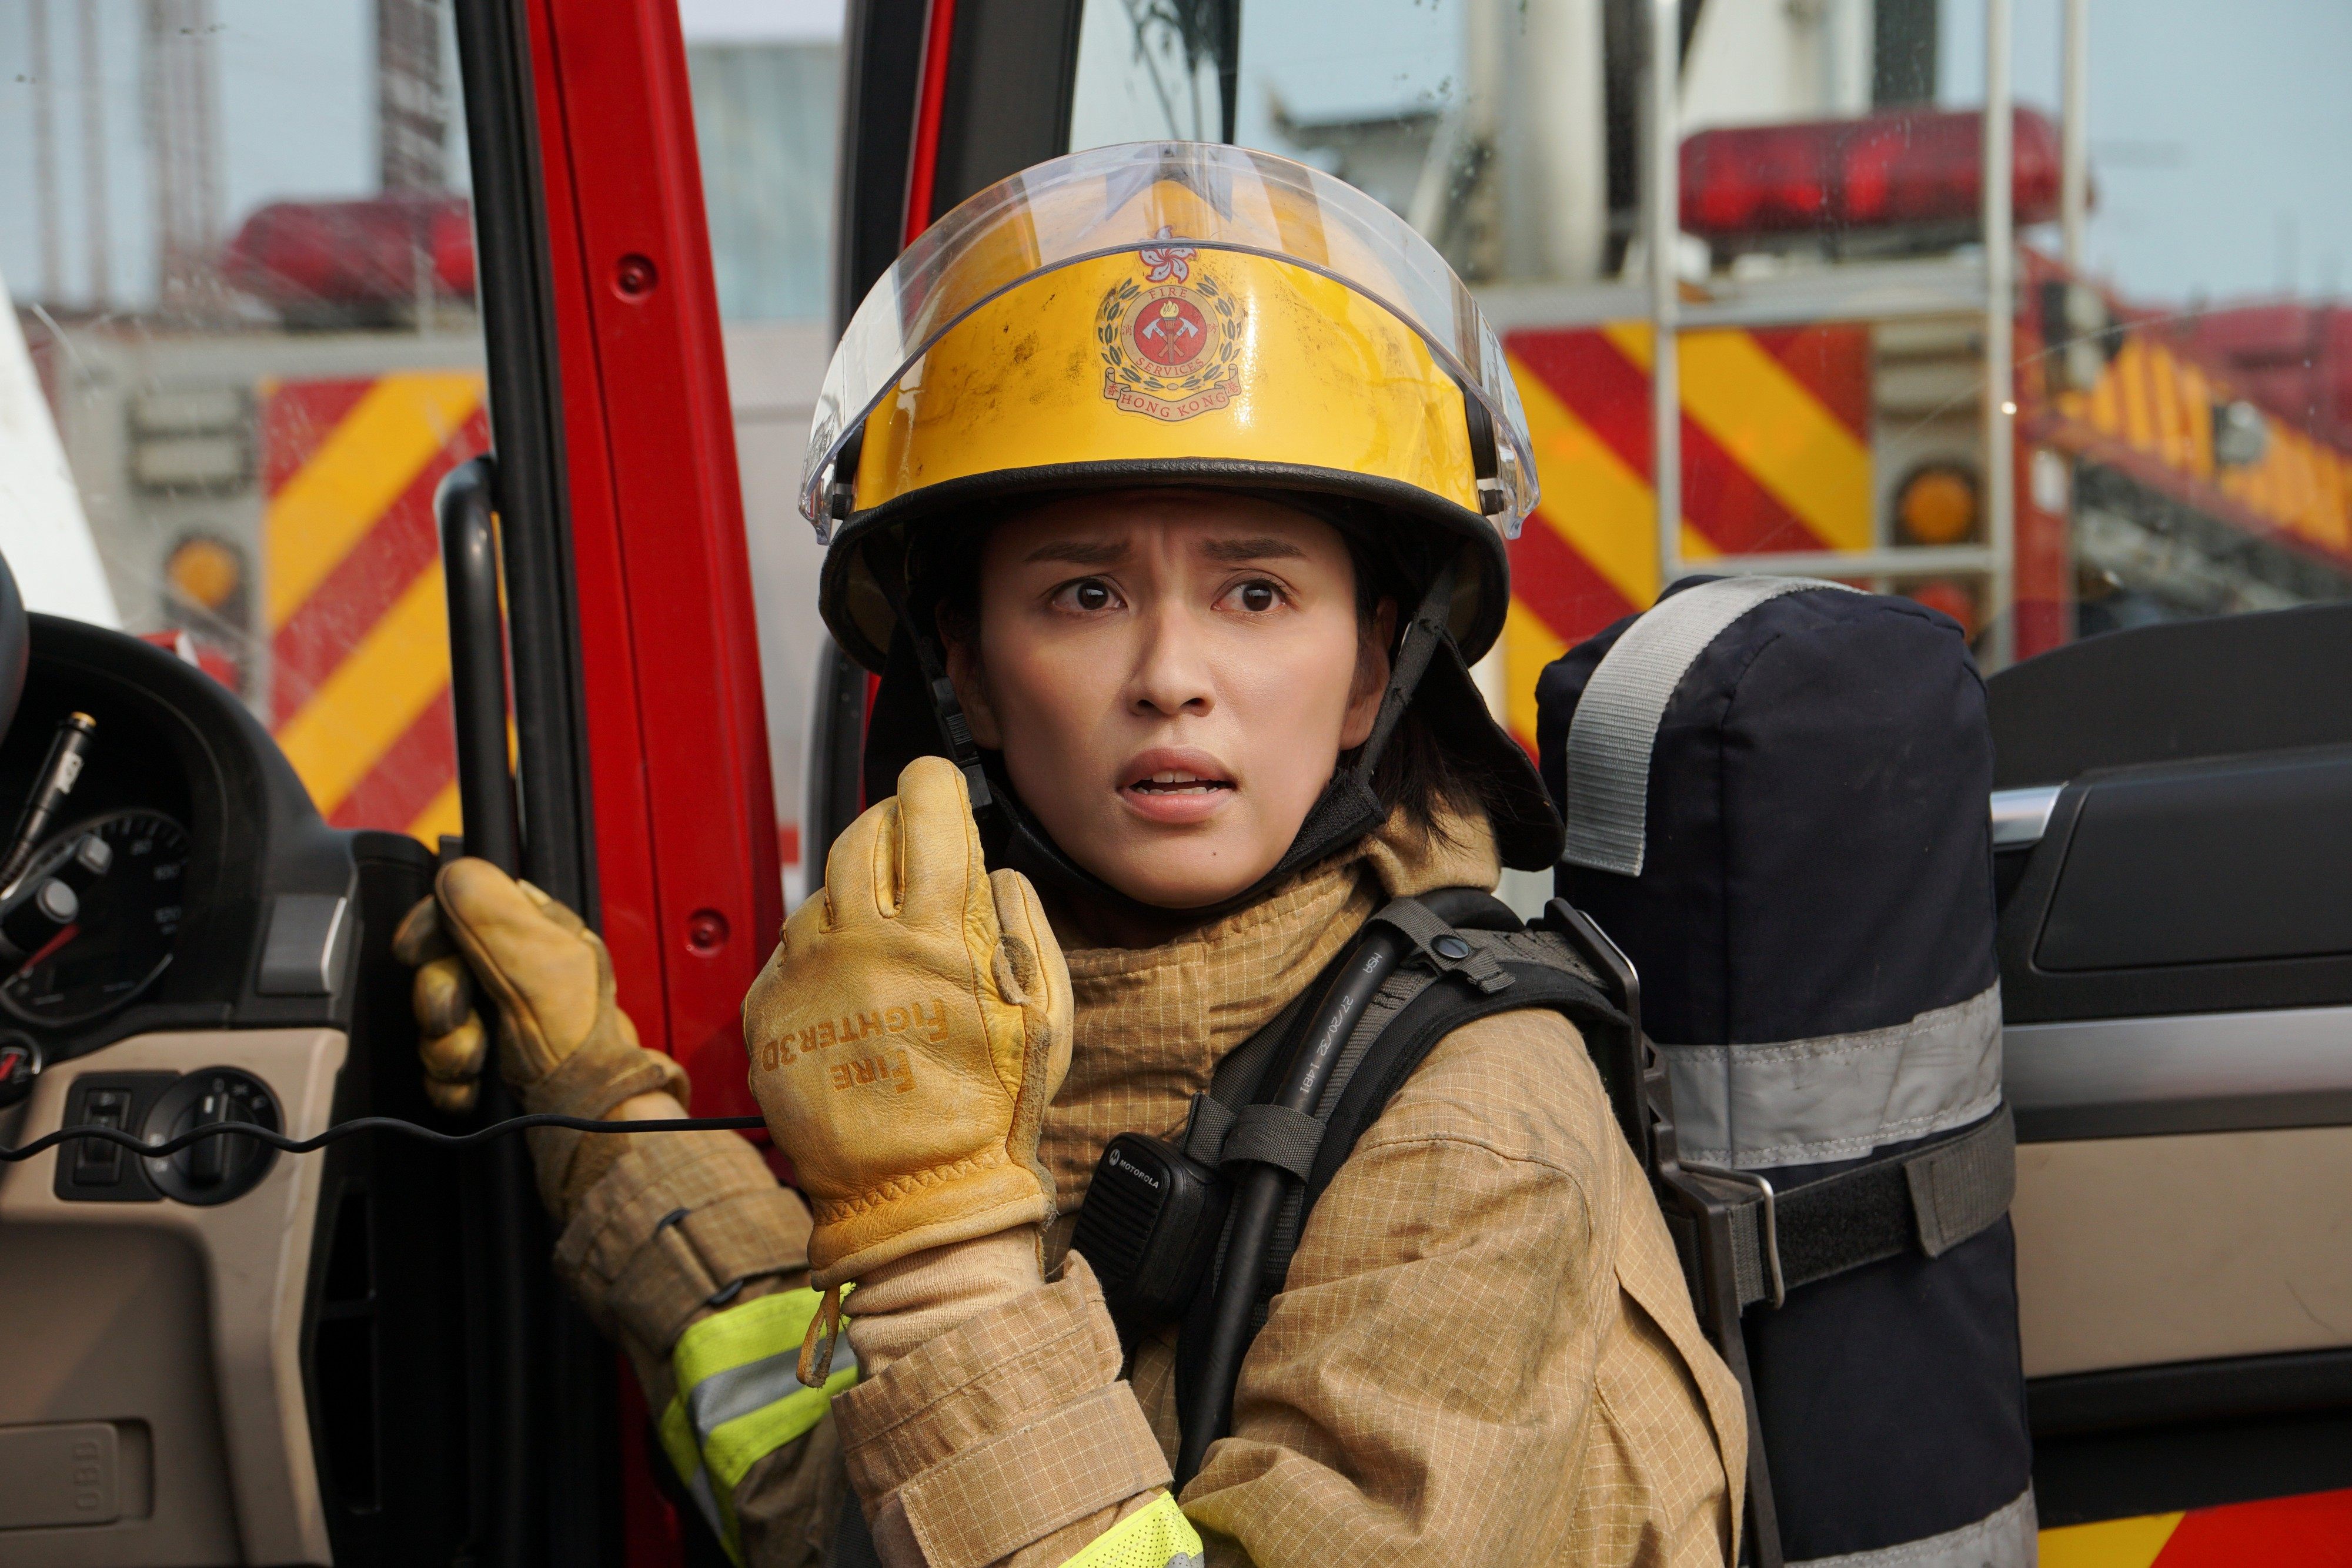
x,y
477,662
503,1529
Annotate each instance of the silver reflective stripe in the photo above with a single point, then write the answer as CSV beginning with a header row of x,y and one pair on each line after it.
x,y
1800,1102
740,1390
1616,722
2003,1539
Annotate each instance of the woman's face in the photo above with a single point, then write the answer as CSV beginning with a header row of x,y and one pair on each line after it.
x,y
1170,677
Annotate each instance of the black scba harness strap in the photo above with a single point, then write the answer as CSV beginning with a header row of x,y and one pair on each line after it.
x,y
1162,1227
1201,1232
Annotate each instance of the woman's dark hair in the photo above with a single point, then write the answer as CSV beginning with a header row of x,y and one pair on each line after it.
x,y
1416,774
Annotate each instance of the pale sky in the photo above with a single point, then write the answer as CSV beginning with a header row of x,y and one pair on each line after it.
x,y
2221,137
2221,134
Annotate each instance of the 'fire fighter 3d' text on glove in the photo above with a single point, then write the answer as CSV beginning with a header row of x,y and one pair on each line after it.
x,y
908,1033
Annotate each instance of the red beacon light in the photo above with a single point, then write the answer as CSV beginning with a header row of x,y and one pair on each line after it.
x,y
1901,170
338,260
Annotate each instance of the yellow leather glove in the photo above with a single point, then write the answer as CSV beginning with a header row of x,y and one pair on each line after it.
x,y
564,1042
907,1035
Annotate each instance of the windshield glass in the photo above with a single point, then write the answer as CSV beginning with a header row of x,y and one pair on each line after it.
x,y
2165,431
767,118
240,259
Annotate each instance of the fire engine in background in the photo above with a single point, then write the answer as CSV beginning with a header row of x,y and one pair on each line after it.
x,y
1849,349
260,476
261,483
1821,263
1832,374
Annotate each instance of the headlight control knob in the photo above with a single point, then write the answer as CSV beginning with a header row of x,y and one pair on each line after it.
x,y
224,1167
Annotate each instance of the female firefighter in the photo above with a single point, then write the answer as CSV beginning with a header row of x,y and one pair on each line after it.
x,y
1165,486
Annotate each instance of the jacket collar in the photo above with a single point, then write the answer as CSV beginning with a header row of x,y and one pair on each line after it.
x,y
1153,1022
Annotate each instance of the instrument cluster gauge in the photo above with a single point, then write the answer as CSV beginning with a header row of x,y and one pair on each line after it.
x,y
124,903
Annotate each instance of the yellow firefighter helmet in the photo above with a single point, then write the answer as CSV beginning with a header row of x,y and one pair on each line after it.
x,y
1189,315
1171,313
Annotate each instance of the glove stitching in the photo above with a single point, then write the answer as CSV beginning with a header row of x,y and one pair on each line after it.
x,y
983,974
512,1004
829,1209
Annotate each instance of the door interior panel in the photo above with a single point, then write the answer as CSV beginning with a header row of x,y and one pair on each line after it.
x,y
2179,1072
2138,1252
2237,860
2185,887
226,1424
2175,961
271,1358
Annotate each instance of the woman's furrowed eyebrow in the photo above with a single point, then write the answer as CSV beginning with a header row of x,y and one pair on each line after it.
x,y
1237,552
1080,552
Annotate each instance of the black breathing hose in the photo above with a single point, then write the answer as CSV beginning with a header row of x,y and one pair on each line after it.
x,y
1208,1412
285,1144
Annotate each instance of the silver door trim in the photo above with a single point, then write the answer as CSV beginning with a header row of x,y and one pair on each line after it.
x,y
2289,1067
2019,817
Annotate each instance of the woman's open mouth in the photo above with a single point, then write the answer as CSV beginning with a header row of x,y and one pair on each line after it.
x,y
1176,782
1176,785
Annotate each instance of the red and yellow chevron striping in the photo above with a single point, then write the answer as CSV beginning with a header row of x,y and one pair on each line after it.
x,y
1775,456
2313,1531
2152,410
359,642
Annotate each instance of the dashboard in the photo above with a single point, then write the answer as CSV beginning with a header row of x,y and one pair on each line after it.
x,y
202,889
216,1333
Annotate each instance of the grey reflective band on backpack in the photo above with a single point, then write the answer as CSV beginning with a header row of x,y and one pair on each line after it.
x,y
1616,722
1837,1097
2006,1538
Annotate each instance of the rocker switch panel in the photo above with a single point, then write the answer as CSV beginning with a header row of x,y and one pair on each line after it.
x,y
92,1170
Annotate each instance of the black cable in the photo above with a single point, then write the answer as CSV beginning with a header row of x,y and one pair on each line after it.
x,y
280,1141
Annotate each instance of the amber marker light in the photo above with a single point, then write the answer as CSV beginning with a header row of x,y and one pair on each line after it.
x,y
204,572
1938,506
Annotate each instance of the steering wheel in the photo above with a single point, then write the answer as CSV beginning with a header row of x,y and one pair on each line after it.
x,y
16,642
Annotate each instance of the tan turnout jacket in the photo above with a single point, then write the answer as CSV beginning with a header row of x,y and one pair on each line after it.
x,y
1483,1351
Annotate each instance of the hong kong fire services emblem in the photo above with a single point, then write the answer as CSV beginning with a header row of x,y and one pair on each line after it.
x,y
1168,340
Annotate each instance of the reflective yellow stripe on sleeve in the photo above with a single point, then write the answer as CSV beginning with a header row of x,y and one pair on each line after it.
x,y
1155,1536
739,1398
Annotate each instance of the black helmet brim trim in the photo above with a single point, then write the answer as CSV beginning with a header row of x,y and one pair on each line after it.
x,y
861,621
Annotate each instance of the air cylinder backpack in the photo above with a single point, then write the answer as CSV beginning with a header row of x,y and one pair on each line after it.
x,y
1776,797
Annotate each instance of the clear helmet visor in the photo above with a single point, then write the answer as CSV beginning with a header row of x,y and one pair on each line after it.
x,y
1178,198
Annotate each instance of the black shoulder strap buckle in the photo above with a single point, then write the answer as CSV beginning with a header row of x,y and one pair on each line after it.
x,y
1443,948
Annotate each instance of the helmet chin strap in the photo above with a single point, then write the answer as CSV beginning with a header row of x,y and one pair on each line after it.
x,y
955,729
1347,811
